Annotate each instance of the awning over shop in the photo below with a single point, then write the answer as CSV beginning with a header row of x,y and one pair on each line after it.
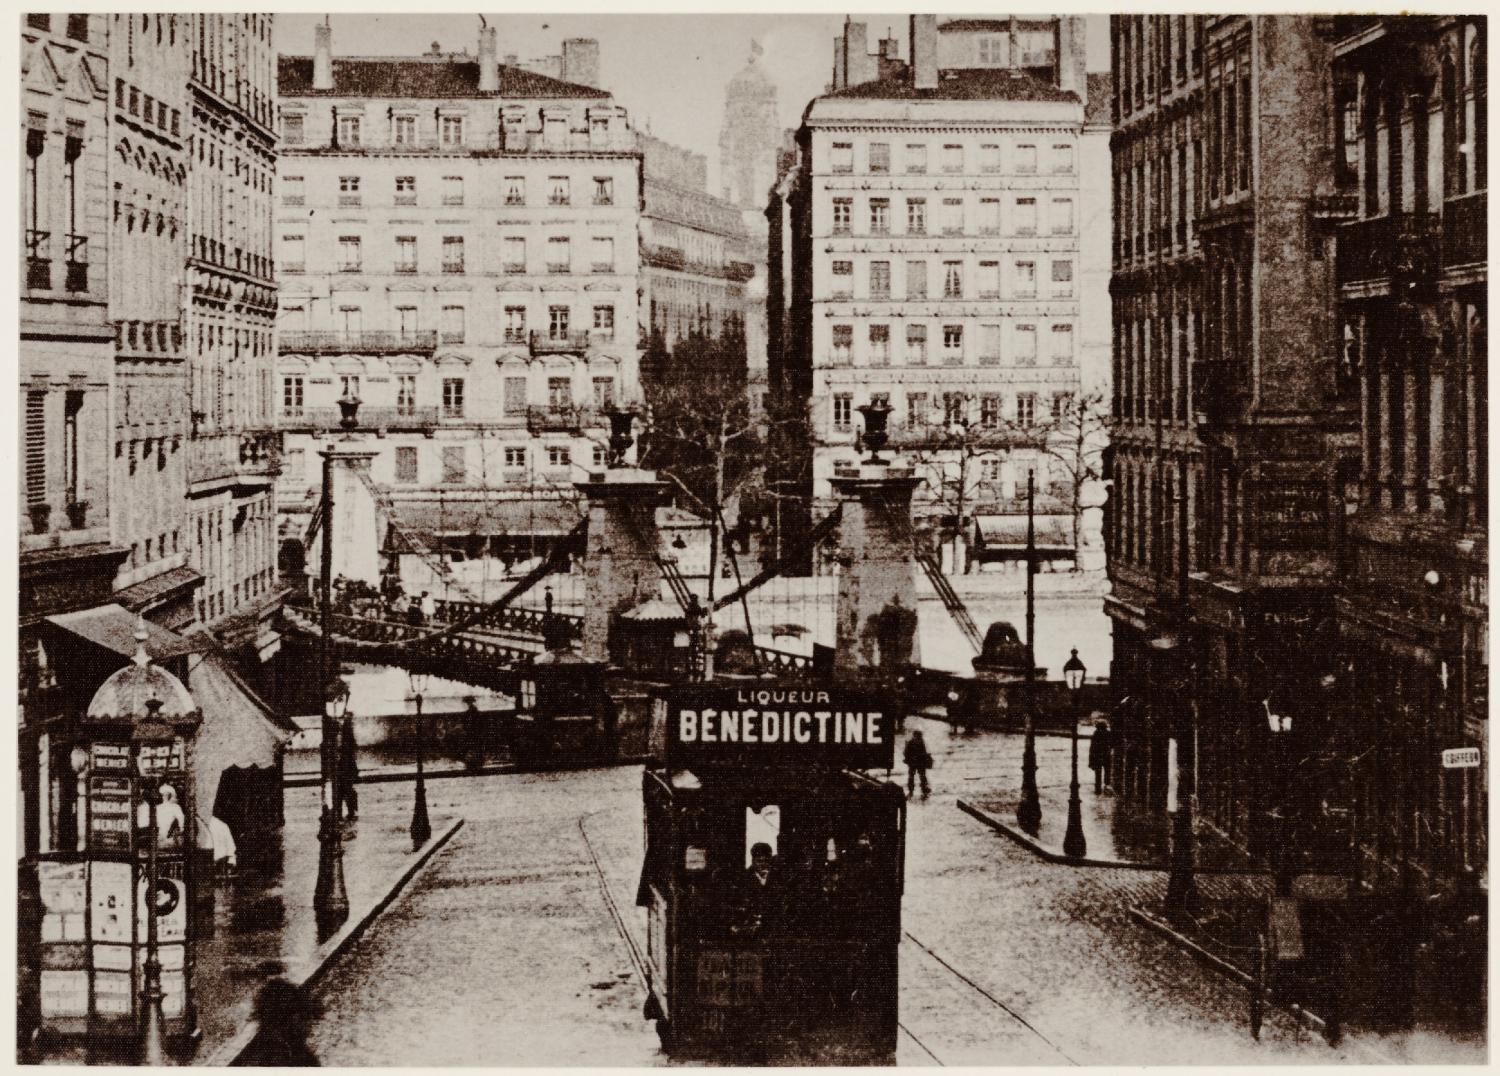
x,y
432,519
1054,534
113,628
240,731
158,587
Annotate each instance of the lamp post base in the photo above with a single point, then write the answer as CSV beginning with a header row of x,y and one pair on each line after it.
x,y
1029,810
1075,844
330,898
421,826
1182,887
154,1034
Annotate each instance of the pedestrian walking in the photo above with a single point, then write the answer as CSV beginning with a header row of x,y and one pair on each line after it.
x,y
918,761
413,610
475,725
285,1014
1101,743
429,608
348,770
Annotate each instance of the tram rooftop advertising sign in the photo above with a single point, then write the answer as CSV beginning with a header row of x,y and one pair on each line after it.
x,y
774,723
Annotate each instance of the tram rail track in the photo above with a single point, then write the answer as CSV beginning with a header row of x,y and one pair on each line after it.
x,y
922,1041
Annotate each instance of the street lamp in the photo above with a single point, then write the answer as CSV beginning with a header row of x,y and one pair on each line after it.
x,y
1029,810
1074,842
330,899
153,1039
421,827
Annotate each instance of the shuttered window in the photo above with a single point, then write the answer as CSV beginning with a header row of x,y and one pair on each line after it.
x,y
36,447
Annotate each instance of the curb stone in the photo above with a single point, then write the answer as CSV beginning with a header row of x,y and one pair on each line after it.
x,y
335,947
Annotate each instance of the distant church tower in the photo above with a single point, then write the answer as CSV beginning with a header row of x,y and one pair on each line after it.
x,y
750,135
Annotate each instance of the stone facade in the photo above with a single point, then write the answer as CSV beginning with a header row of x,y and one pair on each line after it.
x,y
148,242
232,448
457,243
66,356
1230,419
697,256
942,249
1412,274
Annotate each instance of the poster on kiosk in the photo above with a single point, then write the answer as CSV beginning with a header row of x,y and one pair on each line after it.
x,y
97,899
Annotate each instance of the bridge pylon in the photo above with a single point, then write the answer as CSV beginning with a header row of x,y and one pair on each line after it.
x,y
356,518
620,567
876,624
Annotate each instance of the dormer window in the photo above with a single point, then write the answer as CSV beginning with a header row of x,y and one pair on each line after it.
x,y
349,130
993,51
451,131
598,129
404,130
555,129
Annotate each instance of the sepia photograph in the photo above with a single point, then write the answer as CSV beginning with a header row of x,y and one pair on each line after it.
x,y
645,538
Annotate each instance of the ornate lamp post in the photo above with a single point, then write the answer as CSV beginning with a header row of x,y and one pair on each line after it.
x,y
1029,810
153,1033
421,827
1074,842
330,899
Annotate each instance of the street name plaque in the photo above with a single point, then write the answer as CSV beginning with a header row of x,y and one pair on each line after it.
x,y
779,724
1461,758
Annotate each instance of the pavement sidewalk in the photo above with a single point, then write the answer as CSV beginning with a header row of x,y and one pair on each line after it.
x,y
264,926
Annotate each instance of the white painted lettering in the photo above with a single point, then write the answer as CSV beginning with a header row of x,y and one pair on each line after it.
x,y
854,728
804,723
687,726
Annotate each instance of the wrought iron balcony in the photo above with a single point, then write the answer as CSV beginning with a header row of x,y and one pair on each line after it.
x,y
318,419
563,343
1403,245
1464,236
366,341
1220,391
563,418
38,265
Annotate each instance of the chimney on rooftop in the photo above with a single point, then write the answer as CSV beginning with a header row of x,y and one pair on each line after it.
x,y
580,61
924,72
322,57
861,65
489,74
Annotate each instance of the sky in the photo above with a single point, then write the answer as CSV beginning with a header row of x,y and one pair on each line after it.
x,y
668,70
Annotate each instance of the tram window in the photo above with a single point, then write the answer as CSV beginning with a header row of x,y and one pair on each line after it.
x,y
762,826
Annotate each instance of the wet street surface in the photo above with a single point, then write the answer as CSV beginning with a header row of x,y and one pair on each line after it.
x,y
510,948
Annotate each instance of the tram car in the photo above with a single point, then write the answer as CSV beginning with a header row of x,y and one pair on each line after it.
x,y
772,879
562,709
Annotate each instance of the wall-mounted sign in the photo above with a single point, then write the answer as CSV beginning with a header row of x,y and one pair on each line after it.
x,y
110,890
1291,514
109,814
110,756
774,723
1461,758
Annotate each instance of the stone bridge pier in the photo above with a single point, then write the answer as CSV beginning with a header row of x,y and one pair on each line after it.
x,y
876,622
357,527
620,567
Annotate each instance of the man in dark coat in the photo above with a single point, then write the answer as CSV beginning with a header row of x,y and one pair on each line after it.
x,y
918,761
761,893
1100,745
283,1012
348,770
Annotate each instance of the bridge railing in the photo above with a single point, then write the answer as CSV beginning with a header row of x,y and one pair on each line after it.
x,y
511,618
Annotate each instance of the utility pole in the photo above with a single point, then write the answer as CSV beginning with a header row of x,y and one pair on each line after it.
x,y
1029,810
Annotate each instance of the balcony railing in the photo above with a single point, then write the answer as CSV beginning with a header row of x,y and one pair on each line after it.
x,y
475,143
1465,239
562,419
1404,244
38,265
376,341
559,343
370,418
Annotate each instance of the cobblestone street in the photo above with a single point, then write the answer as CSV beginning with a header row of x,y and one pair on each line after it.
x,y
1007,959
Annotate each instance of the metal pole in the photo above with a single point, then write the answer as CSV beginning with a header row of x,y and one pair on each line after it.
x,y
153,1046
1029,810
330,899
1074,842
421,828
1182,889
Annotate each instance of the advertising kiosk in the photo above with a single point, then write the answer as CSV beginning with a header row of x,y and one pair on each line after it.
x,y
773,874
116,946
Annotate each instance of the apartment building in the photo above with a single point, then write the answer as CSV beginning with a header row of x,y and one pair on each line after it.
x,y
945,237
457,246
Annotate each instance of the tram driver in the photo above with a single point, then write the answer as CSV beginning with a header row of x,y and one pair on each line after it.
x,y
762,893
